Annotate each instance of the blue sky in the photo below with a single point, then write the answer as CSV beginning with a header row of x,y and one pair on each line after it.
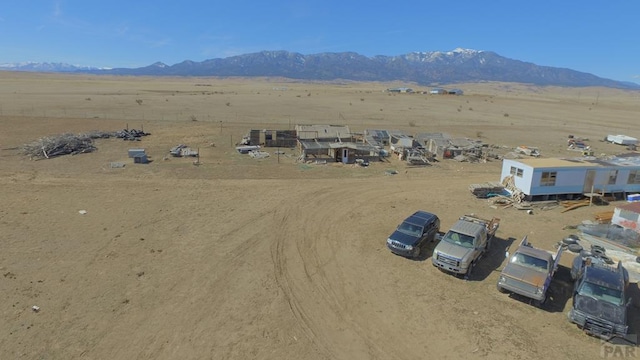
x,y
598,37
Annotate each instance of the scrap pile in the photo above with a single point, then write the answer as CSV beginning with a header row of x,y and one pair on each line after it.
x,y
485,190
64,144
131,135
516,194
574,204
72,144
257,154
182,150
604,217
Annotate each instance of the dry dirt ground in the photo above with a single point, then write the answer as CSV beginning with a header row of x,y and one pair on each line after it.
x,y
239,258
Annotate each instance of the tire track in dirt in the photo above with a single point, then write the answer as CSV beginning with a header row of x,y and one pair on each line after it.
x,y
304,248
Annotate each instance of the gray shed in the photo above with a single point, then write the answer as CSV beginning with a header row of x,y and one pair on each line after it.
x,y
140,159
134,152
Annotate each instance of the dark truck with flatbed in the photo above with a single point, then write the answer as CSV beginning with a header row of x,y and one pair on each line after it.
x,y
415,231
600,297
464,244
529,272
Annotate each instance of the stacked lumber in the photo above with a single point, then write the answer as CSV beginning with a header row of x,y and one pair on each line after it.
x,y
604,217
574,204
483,190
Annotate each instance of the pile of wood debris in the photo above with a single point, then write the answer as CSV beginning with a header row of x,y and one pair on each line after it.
x,y
65,144
72,144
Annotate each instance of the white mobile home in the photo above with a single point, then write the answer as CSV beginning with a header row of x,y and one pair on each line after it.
x,y
542,179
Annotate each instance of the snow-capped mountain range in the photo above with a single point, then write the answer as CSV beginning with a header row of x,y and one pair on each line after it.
x,y
424,68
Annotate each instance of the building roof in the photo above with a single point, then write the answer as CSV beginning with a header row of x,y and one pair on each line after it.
x,y
632,160
632,206
322,131
314,145
554,163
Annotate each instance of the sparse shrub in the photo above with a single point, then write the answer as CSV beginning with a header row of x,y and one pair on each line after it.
x,y
88,99
193,118
139,101
479,134
228,103
470,109
412,123
506,115
361,99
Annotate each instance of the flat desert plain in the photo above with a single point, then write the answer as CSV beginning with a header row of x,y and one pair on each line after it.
x,y
242,258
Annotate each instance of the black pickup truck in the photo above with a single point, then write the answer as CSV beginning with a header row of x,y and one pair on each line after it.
x,y
415,231
600,297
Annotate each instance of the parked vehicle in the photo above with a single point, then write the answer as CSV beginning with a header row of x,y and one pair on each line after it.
x,y
415,231
464,244
600,299
529,272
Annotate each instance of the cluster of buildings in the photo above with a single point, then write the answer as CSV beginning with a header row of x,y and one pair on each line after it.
x,y
337,143
536,178
434,91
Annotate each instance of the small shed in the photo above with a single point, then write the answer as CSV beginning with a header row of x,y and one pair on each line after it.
x,y
140,159
135,152
627,216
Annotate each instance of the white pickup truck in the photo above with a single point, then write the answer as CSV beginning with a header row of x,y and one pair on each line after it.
x,y
464,244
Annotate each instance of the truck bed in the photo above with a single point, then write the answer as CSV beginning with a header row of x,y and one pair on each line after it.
x,y
491,225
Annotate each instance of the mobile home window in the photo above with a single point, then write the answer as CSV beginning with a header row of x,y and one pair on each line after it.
x,y
634,177
613,175
548,178
516,171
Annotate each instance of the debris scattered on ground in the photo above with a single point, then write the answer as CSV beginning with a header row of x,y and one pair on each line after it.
x,y
488,189
257,154
82,212
528,150
183,150
35,308
73,144
131,135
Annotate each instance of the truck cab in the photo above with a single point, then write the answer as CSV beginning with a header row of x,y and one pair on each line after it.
x,y
600,299
463,245
529,272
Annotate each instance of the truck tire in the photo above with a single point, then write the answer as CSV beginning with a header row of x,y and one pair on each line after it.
x,y
540,303
467,275
575,248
